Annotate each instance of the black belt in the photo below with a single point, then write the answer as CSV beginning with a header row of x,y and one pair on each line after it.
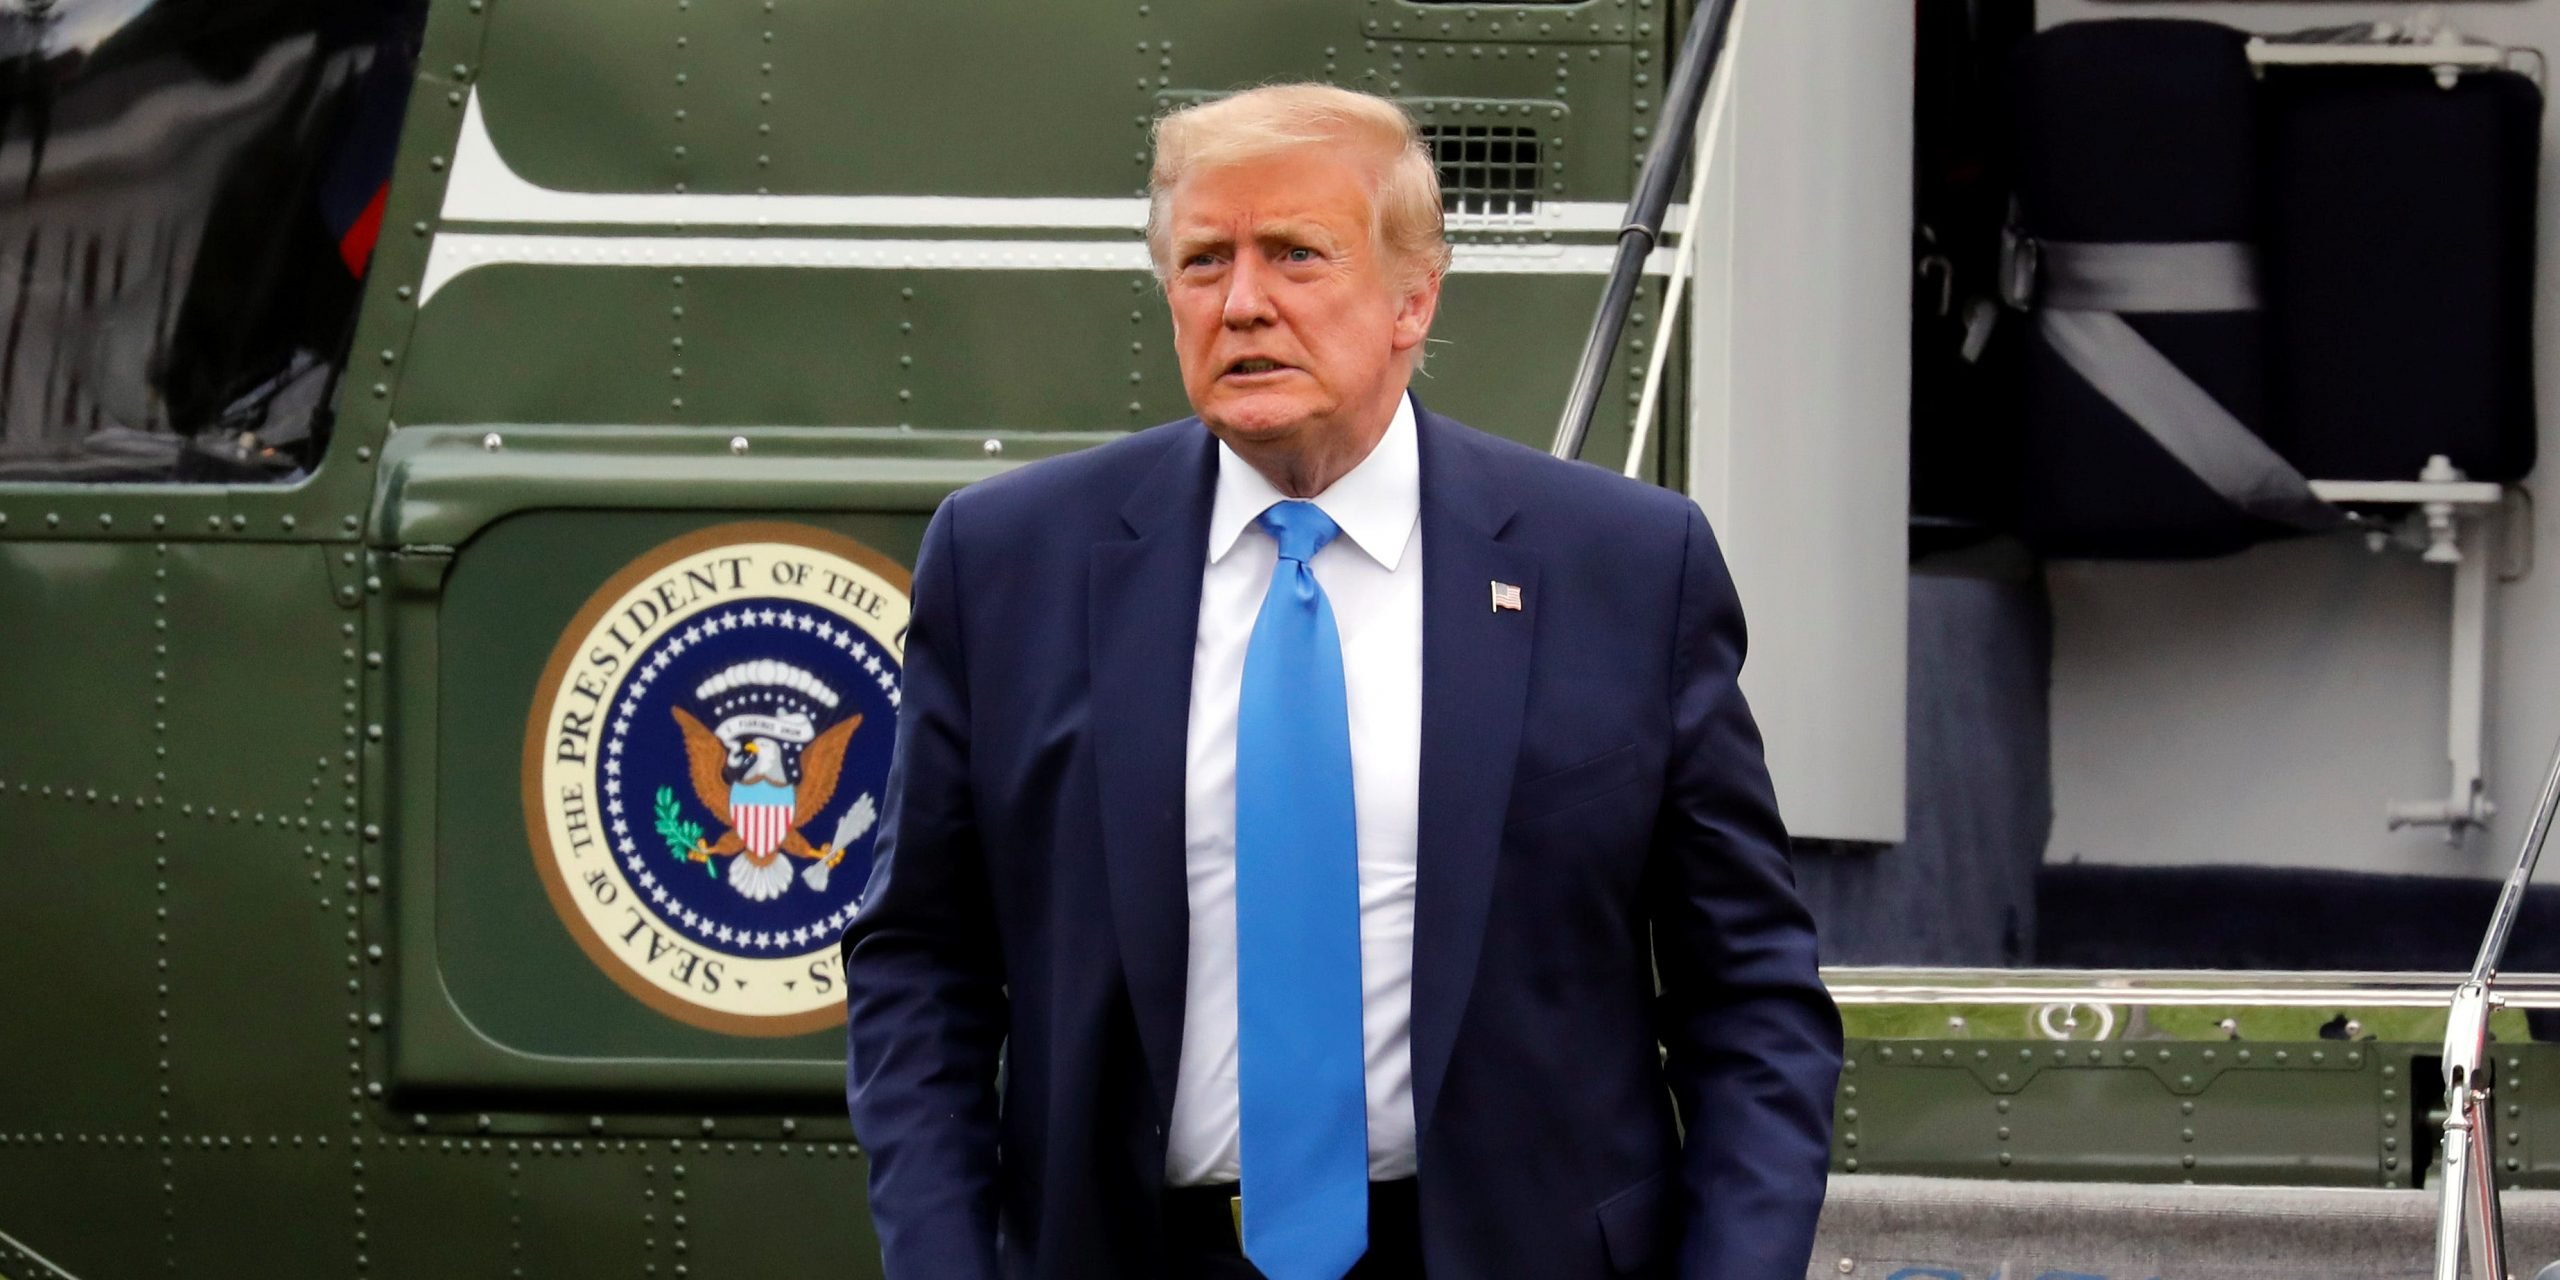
x,y
1208,1219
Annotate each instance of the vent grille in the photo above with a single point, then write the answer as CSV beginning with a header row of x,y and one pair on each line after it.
x,y
1488,172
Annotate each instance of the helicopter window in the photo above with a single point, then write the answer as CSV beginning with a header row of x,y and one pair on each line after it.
x,y
1487,172
188,211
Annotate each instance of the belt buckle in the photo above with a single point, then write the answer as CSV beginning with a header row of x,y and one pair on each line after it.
x,y
1235,1206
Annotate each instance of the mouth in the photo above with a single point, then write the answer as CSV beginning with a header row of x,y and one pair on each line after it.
x,y
1254,367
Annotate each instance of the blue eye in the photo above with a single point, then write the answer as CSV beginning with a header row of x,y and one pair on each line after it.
x,y
1302,254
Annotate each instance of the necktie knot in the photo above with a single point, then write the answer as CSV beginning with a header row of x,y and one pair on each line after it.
x,y
1300,527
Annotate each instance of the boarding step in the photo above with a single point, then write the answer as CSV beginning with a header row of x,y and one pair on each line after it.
x,y
1885,1227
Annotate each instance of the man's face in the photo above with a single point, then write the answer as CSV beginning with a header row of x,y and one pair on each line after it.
x,y
1291,333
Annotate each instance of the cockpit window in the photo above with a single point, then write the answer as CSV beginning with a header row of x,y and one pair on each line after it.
x,y
188,199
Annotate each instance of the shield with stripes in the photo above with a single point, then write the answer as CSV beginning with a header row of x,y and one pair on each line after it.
x,y
761,812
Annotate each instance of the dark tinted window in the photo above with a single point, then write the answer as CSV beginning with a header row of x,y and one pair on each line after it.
x,y
188,191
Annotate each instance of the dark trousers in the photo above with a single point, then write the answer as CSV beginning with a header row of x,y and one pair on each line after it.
x,y
1201,1241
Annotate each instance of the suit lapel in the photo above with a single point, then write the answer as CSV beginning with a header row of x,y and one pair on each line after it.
x,y
1145,614
1475,679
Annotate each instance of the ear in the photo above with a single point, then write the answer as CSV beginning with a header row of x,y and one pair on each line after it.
x,y
1414,313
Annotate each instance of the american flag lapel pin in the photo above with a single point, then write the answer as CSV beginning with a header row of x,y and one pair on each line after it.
x,y
1506,596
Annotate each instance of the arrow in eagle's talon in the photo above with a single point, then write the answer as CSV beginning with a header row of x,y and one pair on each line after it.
x,y
849,828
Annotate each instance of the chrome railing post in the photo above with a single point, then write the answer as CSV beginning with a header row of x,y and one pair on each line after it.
x,y
2466,1180
1699,52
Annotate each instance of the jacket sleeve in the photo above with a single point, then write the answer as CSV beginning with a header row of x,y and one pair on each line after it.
x,y
1753,1039
924,996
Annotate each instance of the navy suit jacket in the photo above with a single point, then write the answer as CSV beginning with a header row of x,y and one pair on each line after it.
x,y
1594,816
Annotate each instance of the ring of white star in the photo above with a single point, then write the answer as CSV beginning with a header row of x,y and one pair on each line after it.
x,y
852,641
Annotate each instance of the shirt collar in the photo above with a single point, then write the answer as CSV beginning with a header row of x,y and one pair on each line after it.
x,y
1376,504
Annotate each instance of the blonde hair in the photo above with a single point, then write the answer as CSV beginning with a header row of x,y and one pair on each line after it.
x,y
1404,203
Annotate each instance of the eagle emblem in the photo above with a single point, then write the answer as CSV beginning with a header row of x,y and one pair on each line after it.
x,y
743,777
705,769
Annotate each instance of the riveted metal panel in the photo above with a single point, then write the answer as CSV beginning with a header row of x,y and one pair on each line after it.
x,y
795,1208
2291,1113
1595,20
860,95
77,710
263,939
94,1207
2289,1127
605,332
445,485
252,731
82,929
1091,351
2525,1106
1480,374
232,1194
425,1208
264,951
581,1208
446,1206
797,346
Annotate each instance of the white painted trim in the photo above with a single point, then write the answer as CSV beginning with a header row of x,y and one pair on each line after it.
x,y
485,189
1714,321
2460,493
456,252
2184,988
2275,53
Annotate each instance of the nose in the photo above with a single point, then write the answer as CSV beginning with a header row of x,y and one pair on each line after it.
x,y
1248,303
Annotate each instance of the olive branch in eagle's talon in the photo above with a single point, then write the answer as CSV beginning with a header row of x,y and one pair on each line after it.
x,y
684,839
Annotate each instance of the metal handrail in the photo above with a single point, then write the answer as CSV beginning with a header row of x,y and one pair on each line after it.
x,y
1700,51
2467,1217
1684,261
20,1248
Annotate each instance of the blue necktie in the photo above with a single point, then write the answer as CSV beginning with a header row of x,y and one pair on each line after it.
x,y
1299,1061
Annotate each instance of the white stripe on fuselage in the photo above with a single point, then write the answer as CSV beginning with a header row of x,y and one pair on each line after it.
x,y
456,252
485,188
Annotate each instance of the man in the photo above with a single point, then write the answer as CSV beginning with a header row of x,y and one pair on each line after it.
x,y
1297,808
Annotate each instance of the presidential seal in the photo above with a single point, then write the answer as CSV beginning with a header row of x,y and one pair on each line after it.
x,y
704,764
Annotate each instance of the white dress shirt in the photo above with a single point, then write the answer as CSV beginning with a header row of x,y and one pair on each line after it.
x,y
1372,575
